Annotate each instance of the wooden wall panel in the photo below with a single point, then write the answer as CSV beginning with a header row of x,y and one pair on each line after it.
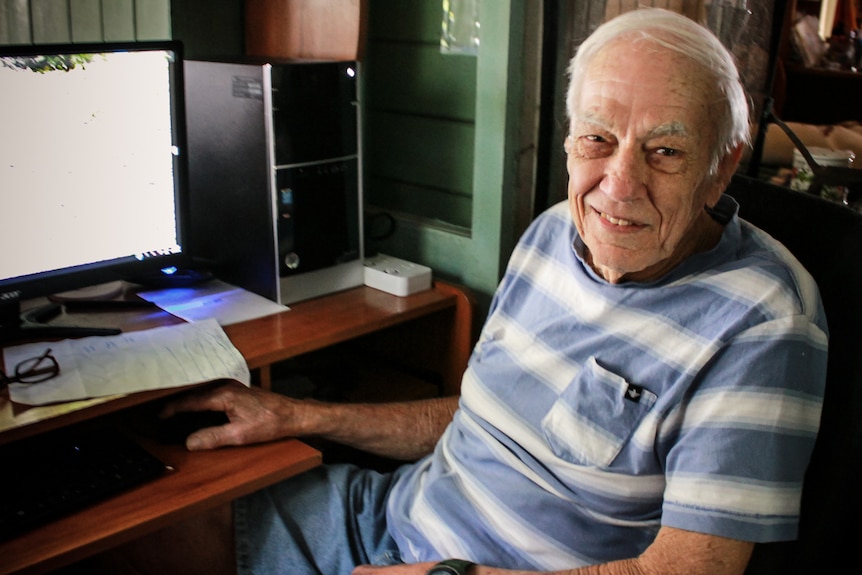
x,y
152,19
59,21
424,151
445,208
413,21
50,21
215,32
443,87
15,22
86,20
118,20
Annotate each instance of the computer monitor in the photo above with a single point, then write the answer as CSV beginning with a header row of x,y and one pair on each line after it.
x,y
92,167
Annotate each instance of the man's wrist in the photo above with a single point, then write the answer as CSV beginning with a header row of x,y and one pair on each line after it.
x,y
451,567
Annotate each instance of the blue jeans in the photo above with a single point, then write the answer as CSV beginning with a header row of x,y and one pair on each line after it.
x,y
325,521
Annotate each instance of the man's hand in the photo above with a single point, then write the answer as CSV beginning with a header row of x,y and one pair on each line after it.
x,y
255,416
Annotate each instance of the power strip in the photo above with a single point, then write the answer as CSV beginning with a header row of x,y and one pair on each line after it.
x,y
396,276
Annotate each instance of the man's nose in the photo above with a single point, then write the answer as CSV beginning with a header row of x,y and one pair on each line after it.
x,y
625,176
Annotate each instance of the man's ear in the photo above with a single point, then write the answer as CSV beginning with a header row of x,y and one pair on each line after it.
x,y
729,163
726,168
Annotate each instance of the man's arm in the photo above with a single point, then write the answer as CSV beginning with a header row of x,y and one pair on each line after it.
x,y
674,552
402,430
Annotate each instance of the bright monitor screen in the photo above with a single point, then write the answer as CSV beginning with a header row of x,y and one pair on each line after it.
x,y
91,165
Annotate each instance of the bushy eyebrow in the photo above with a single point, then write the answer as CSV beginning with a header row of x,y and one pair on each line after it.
x,y
670,129
591,119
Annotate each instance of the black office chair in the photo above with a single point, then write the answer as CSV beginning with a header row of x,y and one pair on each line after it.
x,y
827,239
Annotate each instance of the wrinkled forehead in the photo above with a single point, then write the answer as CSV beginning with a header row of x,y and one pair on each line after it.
x,y
644,63
643,77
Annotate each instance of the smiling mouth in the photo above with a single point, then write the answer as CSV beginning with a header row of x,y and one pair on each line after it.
x,y
617,221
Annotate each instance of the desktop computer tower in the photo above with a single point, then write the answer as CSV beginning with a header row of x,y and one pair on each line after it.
x,y
275,174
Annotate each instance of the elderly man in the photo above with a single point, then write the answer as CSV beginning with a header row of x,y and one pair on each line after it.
x,y
646,390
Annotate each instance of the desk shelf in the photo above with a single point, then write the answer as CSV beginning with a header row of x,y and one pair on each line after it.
x,y
320,323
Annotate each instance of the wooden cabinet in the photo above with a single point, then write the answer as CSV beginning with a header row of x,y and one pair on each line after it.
x,y
312,29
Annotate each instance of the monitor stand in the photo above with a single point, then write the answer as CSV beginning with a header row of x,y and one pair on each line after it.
x,y
18,327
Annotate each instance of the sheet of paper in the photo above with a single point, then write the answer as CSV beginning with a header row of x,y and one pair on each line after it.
x,y
159,358
226,303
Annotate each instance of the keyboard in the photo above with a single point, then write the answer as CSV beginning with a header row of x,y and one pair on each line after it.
x,y
48,476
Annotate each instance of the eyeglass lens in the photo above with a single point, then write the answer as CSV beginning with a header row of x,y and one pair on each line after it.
x,y
37,369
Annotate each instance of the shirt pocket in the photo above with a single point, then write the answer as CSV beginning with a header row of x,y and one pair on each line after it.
x,y
595,415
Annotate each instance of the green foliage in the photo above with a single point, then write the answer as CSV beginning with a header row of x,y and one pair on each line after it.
x,y
42,64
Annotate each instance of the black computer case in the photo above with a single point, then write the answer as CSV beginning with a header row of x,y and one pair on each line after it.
x,y
275,174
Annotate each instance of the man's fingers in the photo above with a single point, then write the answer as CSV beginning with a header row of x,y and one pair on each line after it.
x,y
210,438
209,400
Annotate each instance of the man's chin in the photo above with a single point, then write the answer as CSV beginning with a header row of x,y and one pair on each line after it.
x,y
617,265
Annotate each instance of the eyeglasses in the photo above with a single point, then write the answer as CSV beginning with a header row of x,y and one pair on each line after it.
x,y
33,370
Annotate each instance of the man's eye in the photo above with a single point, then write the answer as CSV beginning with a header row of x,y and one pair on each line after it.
x,y
592,146
669,160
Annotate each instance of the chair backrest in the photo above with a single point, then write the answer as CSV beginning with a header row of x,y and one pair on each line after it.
x,y
827,239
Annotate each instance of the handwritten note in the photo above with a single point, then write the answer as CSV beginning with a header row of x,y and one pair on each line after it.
x,y
160,358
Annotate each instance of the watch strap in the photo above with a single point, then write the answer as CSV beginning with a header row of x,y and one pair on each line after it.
x,y
451,567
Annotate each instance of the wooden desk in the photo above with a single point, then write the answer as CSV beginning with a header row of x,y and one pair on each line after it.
x,y
437,323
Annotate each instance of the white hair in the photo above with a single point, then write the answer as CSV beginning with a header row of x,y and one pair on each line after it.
x,y
685,36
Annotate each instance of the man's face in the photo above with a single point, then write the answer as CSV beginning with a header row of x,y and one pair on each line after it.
x,y
639,153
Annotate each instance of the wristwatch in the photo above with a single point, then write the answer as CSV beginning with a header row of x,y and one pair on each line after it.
x,y
451,567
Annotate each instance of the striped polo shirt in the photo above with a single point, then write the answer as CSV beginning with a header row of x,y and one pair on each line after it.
x,y
591,413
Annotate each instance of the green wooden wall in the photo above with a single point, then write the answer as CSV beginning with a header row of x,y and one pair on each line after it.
x,y
420,115
442,138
